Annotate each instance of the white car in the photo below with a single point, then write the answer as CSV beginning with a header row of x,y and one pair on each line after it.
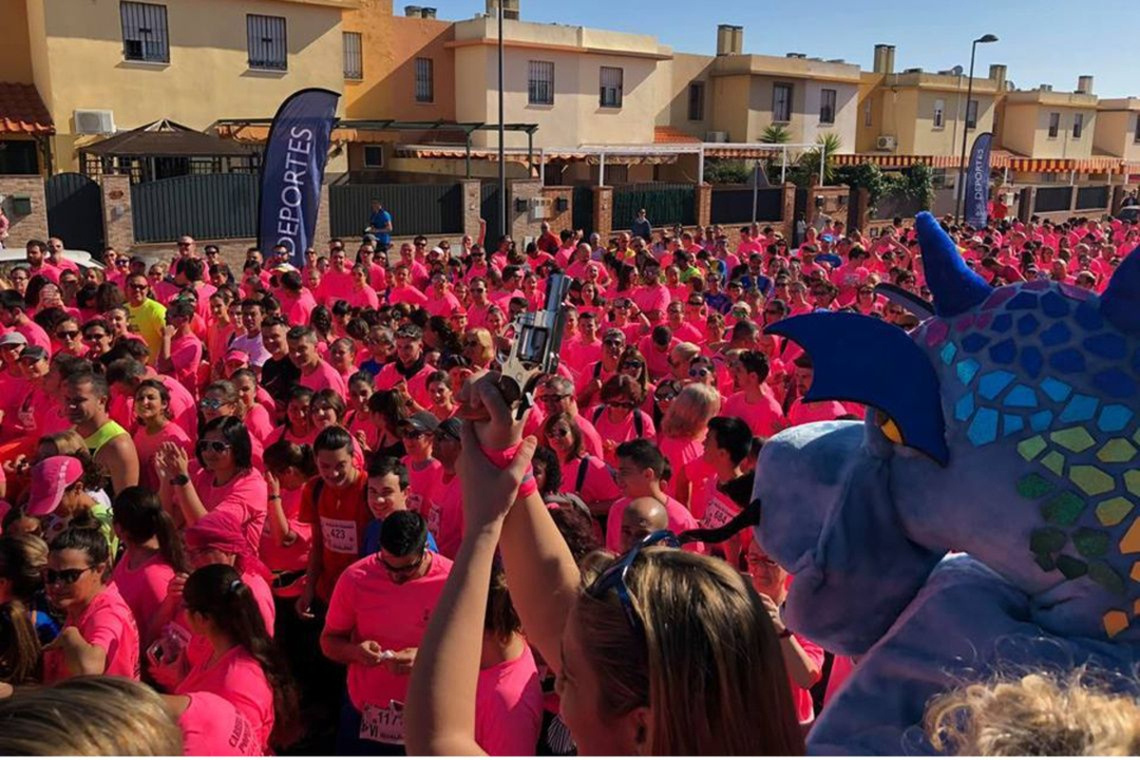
x,y
85,260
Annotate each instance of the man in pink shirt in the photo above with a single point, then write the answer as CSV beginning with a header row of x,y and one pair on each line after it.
x,y
14,316
181,352
801,412
441,301
403,291
754,401
410,368
316,373
556,394
683,331
586,348
36,251
377,616
56,258
336,285
652,298
641,466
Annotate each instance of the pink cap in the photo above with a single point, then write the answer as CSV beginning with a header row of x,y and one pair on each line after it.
x,y
236,355
459,311
50,478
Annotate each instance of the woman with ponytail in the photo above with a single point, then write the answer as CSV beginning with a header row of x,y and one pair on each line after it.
x,y
154,554
243,664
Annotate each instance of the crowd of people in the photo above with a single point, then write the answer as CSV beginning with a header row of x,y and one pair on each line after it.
x,y
287,498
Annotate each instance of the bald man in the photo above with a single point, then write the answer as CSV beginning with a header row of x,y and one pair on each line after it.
x,y
642,516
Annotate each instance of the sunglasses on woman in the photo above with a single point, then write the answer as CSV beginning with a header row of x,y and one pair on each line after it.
x,y
211,404
218,447
614,577
66,577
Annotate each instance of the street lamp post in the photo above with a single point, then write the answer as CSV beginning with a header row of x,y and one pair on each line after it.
x,y
502,134
985,38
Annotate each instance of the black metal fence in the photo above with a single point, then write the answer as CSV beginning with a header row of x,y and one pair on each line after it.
x,y
732,204
1092,197
208,206
415,209
1053,199
582,209
664,204
489,211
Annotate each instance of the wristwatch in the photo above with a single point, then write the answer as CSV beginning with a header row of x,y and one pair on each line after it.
x,y
785,634
180,480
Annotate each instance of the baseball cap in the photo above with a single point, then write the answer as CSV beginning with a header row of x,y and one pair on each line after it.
x,y
13,338
235,355
421,422
35,353
50,478
450,428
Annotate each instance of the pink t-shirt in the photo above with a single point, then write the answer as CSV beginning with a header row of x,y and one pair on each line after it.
x,y
238,678
422,484
143,588
148,445
324,376
367,605
680,520
245,497
390,377
624,430
442,307
107,622
258,423
508,707
35,335
685,454
805,710
407,294
296,555
186,355
763,417
654,298
363,298
213,727
801,412
598,484
445,517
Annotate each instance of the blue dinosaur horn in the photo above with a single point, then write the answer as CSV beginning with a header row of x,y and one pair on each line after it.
x,y
858,358
1120,303
956,287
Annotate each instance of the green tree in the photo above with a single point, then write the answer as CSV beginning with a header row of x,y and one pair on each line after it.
x,y
775,133
829,143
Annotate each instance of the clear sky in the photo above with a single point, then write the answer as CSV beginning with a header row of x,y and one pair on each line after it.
x,y
1042,41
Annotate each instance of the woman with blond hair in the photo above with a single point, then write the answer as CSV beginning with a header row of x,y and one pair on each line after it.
x,y
479,348
682,437
1037,714
664,652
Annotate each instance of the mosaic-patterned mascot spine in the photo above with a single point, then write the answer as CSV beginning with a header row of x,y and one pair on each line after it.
x,y
984,515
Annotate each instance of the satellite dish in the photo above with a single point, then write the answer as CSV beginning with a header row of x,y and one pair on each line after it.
x,y
958,70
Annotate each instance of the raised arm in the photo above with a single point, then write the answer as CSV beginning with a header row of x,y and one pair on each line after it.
x,y
440,719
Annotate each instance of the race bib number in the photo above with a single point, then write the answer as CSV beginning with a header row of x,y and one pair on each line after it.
x,y
339,536
383,724
717,513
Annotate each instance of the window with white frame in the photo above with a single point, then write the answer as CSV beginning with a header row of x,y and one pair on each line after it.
x,y
827,100
540,83
373,156
939,113
610,84
425,80
1078,125
353,56
1054,124
265,36
781,102
145,36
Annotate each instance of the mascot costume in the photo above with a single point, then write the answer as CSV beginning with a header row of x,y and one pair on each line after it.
x,y
985,518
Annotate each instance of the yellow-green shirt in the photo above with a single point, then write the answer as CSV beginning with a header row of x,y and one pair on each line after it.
x,y
149,319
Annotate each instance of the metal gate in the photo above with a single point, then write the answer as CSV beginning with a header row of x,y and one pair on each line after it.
x,y
582,209
489,210
75,212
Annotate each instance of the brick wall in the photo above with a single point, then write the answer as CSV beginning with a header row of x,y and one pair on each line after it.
x,y
118,219
33,225
519,223
603,211
560,220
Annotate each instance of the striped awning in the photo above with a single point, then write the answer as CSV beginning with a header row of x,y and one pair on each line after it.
x,y
516,155
1099,165
259,133
712,151
894,161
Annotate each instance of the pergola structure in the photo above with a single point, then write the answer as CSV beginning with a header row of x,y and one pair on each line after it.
x,y
164,149
349,130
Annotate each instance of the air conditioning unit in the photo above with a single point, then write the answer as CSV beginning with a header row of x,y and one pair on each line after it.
x,y
716,137
94,122
886,142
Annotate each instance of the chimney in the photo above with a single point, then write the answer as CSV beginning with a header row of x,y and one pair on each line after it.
x,y
412,11
884,59
1085,84
997,74
510,9
1045,88
427,12
729,39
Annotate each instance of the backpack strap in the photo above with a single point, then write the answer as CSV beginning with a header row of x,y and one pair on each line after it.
x,y
638,423
583,470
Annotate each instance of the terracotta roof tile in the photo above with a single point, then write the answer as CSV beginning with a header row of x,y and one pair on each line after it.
x,y
22,111
672,136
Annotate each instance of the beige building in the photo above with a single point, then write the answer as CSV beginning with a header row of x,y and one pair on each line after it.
x,y
922,113
1044,124
580,86
102,66
1117,131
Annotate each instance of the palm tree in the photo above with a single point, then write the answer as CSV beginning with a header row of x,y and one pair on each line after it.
x,y
830,143
775,133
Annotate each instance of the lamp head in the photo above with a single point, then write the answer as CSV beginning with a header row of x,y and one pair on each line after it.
x,y
987,38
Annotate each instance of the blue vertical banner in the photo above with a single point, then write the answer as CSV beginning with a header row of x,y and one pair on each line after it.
x,y
978,181
292,171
